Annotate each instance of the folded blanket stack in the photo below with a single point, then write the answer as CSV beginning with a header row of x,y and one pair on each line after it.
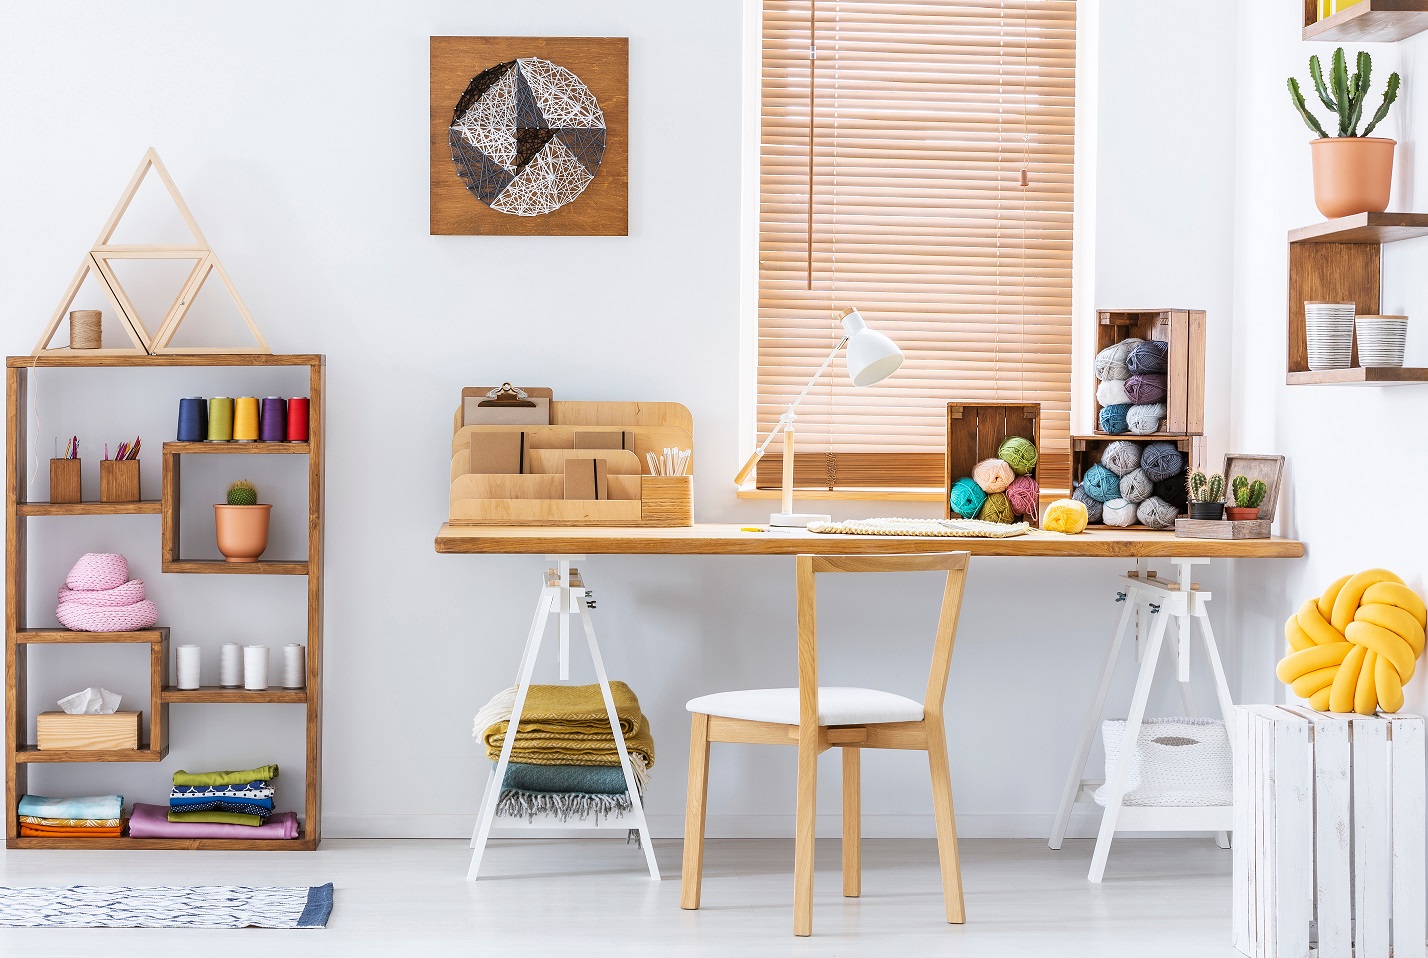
x,y
224,798
96,816
564,761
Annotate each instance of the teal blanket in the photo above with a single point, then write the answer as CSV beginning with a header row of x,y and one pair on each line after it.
x,y
587,779
95,807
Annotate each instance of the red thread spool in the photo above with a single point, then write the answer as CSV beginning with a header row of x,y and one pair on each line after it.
x,y
297,419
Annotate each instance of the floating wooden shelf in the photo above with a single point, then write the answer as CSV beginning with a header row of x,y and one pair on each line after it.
x,y
145,507
248,448
1373,228
71,637
218,694
1369,21
1360,376
30,754
95,357
300,844
220,567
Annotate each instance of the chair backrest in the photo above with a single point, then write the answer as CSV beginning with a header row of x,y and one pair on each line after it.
x,y
809,566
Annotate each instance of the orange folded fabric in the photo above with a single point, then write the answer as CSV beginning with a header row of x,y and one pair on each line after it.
x,y
56,831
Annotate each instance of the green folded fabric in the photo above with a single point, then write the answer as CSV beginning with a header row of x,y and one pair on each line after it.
x,y
260,774
224,818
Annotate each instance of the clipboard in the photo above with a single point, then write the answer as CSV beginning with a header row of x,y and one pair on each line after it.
x,y
503,405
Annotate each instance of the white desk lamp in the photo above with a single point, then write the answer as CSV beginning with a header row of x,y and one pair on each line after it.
x,y
872,357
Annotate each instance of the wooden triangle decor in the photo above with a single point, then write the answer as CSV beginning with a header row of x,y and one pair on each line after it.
x,y
98,260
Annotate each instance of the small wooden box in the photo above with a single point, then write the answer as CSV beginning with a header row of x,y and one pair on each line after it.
x,y
1184,330
976,430
82,733
1086,451
119,480
1268,468
64,480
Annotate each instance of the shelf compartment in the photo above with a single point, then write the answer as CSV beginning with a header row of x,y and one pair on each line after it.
x,y
1369,21
156,636
218,694
144,507
32,754
1360,376
239,448
222,567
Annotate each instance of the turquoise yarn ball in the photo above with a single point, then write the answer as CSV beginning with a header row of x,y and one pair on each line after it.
x,y
1018,453
966,498
1113,418
1101,484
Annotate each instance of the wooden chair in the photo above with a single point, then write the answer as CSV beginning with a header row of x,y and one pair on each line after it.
x,y
817,719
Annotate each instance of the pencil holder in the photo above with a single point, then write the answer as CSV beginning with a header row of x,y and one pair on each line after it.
x,y
119,480
64,480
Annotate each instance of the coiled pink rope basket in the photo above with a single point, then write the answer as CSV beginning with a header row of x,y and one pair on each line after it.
x,y
100,597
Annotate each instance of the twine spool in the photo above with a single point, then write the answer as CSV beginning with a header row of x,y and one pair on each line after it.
x,y
1101,484
1145,419
1121,456
997,509
220,419
1119,513
1024,495
1136,486
966,498
1161,460
1066,515
86,329
255,667
230,665
1111,392
1019,453
1156,513
1173,491
993,475
193,419
187,660
297,419
1145,388
273,420
1111,361
294,666
245,419
1113,419
1093,507
1149,357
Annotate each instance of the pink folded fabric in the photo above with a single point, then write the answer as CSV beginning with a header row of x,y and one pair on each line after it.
x,y
126,594
89,618
98,570
152,821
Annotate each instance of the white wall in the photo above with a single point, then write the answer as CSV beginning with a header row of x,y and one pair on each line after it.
x,y
298,134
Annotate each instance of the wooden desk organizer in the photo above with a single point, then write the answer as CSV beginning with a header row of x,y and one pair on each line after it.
x,y
535,497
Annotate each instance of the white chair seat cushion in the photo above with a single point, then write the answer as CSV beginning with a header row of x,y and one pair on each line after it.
x,y
836,706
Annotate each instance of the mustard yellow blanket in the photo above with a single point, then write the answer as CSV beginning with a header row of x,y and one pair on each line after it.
x,y
567,725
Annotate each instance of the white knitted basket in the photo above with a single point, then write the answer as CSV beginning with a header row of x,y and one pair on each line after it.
x,y
1177,761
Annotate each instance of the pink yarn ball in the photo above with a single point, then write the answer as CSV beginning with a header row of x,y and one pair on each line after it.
x,y
993,475
1024,496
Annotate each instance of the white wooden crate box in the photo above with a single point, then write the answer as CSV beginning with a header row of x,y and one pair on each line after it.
x,y
1329,834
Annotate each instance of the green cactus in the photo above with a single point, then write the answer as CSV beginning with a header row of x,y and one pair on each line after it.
x,y
242,493
1249,495
1344,94
1206,488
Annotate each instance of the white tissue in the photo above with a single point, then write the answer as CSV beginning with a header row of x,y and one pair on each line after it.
x,y
91,701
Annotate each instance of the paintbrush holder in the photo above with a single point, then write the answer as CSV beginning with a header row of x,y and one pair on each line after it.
x,y
64,480
119,480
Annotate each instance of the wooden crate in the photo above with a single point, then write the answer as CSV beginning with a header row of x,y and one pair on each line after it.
x,y
84,733
1268,468
1086,451
1329,830
975,430
1184,330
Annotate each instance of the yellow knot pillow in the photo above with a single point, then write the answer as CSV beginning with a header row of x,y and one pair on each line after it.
x,y
1353,648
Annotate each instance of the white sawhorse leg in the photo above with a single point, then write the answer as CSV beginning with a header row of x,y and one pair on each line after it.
x,y
565,596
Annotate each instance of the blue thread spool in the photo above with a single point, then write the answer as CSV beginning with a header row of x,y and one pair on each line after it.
x,y
193,419
1101,484
1113,419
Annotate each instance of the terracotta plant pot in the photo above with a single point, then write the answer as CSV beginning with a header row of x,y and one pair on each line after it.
x,y
1241,513
1352,174
242,531
1207,510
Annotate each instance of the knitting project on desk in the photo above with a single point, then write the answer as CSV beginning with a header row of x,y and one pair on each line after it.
x,y
949,528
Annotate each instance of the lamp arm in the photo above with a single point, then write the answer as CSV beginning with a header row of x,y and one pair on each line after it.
x,y
787,418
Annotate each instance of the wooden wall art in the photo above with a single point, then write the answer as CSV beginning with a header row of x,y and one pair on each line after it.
x,y
529,136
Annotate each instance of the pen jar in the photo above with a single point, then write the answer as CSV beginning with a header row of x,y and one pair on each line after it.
x,y
119,480
64,480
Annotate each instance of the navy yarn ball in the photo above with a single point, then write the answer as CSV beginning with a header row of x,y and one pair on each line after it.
x,y
1173,491
1148,357
1161,460
1113,419
1101,484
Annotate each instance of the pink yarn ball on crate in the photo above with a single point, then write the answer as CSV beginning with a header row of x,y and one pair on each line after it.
x,y
98,570
1024,496
993,475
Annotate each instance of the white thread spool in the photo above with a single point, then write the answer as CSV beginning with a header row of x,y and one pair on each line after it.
x,y
294,666
230,665
187,656
255,667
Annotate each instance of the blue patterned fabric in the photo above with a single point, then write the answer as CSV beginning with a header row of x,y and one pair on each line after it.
x,y
250,790
188,803
262,811
200,906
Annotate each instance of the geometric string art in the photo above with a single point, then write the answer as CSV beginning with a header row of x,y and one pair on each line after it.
x,y
527,136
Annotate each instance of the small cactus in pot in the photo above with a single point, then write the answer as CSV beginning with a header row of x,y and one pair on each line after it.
x,y
241,523
1248,496
1207,495
242,493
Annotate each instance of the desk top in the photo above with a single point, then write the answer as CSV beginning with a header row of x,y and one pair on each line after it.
x,y
727,539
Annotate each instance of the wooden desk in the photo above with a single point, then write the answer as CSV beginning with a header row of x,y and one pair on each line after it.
x,y
727,539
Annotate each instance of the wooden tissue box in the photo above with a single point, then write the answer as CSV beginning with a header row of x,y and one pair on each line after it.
x,y
81,733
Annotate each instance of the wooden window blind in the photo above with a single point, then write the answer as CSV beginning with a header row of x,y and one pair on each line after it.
x,y
915,162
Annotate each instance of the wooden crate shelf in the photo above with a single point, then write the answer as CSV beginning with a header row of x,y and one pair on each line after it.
x,y
302,843
1369,21
221,567
144,507
30,754
239,448
218,694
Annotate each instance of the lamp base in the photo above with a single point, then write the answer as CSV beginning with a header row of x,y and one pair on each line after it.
x,y
797,520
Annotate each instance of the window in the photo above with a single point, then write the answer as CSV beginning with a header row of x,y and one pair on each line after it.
x,y
915,162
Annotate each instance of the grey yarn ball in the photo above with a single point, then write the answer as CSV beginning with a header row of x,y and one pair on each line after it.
x,y
1119,512
1161,461
1112,392
1136,486
1121,456
1146,418
1111,361
1093,506
1156,513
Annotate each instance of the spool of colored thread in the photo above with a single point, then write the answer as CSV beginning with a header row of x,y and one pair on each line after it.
x,y
1119,512
1136,486
297,419
1161,460
1145,388
966,498
245,419
220,419
993,475
1121,456
1066,515
997,509
1111,361
1091,506
1145,419
1101,484
1024,496
1113,418
1149,357
1019,453
193,419
1112,392
273,425
1156,513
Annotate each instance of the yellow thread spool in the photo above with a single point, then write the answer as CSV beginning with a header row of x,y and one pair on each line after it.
x,y
220,419
245,419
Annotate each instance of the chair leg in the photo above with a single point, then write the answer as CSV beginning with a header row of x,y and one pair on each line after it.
x,y
805,817
692,877
852,823
946,822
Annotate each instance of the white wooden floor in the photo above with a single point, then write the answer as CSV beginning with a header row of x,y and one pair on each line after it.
x,y
1169,898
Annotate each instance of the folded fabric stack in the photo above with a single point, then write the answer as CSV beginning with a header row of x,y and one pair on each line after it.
x,y
95,816
564,761
99,596
216,805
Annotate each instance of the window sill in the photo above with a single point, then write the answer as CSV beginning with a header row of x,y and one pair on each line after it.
x,y
910,494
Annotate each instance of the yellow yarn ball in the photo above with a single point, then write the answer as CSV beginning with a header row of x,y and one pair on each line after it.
x,y
997,509
1065,515
993,475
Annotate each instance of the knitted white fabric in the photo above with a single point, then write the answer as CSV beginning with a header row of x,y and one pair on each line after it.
x,y
1177,761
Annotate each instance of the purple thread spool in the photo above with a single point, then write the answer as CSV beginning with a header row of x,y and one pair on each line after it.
x,y
273,422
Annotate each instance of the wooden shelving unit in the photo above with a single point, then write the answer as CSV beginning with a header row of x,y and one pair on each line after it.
x,y
1368,21
19,754
1338,261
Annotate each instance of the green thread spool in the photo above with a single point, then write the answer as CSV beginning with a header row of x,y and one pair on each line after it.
x,y
997,509
1018,453
966,498
220,419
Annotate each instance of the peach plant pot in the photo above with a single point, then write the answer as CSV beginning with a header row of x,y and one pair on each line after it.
x,y
1241,513
242,531
1352,174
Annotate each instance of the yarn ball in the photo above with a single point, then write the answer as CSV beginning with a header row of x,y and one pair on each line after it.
x,y
1112,392
993,475
1145,388
1101,484
966,498
1136,486
997,509
1161,460
1145,419
1149,357
1156,513
1113,418
1111,361
1121,456
1092,506
1354,647
1119,512
1173,491
1024,495
1018,453
1065,515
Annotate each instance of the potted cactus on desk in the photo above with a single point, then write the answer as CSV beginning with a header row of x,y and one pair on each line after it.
x,y
241,523
1207,495
1249,496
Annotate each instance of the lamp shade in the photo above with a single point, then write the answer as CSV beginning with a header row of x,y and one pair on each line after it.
x,y
872,357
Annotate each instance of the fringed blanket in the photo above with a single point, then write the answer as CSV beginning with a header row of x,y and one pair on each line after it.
x,y
517,802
